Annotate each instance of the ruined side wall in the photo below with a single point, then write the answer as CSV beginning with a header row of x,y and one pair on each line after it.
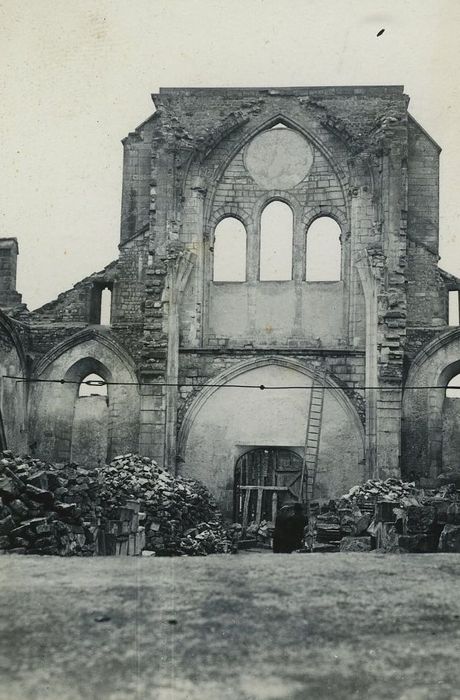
x,y
426,296
52,405
430,372
426,292
13,394
137,180
423,182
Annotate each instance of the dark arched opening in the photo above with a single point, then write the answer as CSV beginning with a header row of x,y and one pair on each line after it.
x,y
265,477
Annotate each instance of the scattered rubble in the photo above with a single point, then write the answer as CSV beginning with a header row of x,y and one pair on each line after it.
x,y
392,515
181,517
133,506
122,508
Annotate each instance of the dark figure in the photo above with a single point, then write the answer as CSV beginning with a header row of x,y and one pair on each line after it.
x,y
289,528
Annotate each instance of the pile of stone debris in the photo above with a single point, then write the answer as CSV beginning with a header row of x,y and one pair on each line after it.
x,y
180,515
391,515
44,510
122,508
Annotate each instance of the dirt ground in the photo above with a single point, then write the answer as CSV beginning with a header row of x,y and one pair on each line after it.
x,y
246,627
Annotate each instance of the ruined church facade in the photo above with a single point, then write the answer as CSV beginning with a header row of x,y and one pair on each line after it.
x,y
277,238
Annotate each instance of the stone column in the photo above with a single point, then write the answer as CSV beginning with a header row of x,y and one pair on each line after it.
x,y
370,294
179,269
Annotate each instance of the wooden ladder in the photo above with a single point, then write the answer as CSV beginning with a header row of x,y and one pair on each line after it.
x,y
312,439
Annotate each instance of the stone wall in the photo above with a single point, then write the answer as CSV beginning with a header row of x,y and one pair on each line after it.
x,y
13,392
228,421
351,153
53,404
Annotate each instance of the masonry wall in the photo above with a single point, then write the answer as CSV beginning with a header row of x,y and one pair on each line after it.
x,y
423,181
53,404
137,180
451,435
371,167
197,369
13,393
233,420
90,431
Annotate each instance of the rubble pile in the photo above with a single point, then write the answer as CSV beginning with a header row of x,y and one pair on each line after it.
x,y
46,510
366,495
120,508
181,516
394,516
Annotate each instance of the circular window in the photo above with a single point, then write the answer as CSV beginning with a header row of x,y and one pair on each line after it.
x,y
278,159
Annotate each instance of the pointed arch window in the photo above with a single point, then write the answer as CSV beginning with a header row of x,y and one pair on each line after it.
x,y
276,236
92,385
324,251
453,388
229,264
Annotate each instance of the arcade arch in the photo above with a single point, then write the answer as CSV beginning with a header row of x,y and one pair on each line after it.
x,y
224,422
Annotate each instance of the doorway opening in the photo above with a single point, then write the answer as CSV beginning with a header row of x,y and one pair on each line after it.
x,y
265,478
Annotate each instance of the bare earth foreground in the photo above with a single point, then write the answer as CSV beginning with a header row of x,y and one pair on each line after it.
x,y
252,626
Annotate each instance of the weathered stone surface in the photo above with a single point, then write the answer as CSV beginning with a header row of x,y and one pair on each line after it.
x,y
6,525
421,543
355,544
385,511
453,514
8,488
420,519
450,539
352,154
40,495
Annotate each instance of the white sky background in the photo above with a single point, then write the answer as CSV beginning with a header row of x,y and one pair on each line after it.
x,y
77,77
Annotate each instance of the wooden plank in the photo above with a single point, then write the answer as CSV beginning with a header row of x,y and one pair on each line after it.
x,y
247,496
274,506
264,488
260,493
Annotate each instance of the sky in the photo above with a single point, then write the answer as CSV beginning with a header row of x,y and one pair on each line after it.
x,y
77,76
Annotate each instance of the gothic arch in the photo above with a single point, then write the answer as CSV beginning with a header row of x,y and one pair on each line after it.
x,y
423,400
53,405
227,375
79,338
310,215
87,365
233,209
277,196
266,124
8,327
223,421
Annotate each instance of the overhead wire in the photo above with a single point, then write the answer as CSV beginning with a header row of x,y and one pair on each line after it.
x,y
262,387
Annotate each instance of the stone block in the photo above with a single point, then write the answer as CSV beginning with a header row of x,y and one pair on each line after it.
x,y
355,544
384,511
453,514
6,525
40,495
449,540
39,479
422,543
420,519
